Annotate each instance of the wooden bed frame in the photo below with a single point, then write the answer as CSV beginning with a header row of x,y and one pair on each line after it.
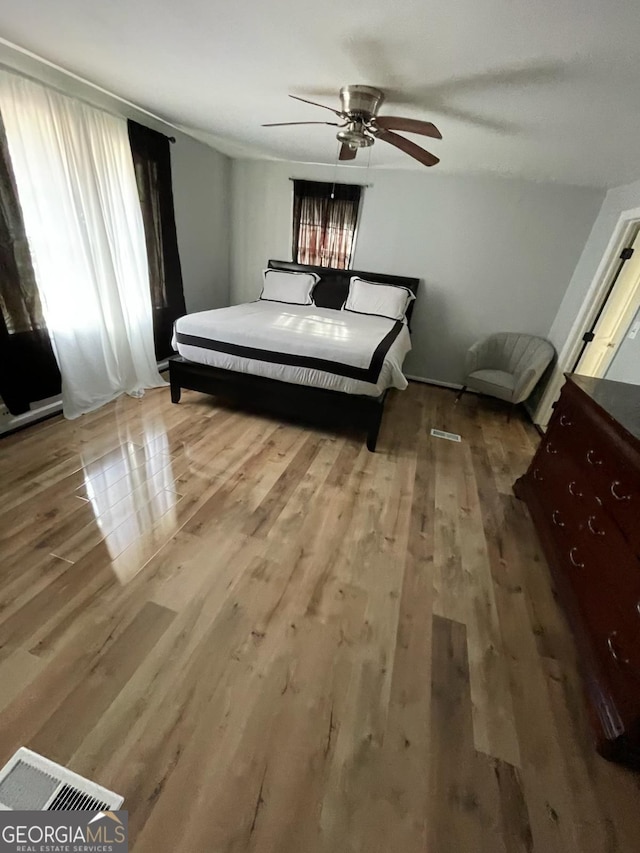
x,y
299,402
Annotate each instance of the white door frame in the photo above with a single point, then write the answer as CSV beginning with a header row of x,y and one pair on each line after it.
x,y
617,313
626,225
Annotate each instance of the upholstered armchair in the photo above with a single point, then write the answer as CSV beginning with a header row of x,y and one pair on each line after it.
x,y
507,365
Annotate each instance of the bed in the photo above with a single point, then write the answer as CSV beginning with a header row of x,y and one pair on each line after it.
x,y
310,362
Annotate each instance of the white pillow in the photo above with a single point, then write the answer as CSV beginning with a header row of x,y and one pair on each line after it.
x,y
295,288
383,300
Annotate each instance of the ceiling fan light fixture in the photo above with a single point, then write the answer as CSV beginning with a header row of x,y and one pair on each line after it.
x,y
355,136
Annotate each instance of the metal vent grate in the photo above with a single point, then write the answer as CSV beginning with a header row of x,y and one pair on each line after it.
x,y
450,436
71,799
29,781
26,787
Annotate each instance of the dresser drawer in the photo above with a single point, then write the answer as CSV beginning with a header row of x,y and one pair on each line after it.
x,y
585,534
562,489
612,472
616,653
577,516
613,637
620,567
604,579
611,618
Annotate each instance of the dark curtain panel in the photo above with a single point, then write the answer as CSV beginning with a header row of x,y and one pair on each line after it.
x,y
28,368
152,161
324,223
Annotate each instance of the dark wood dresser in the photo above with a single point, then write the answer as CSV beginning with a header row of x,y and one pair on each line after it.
x,y
583,492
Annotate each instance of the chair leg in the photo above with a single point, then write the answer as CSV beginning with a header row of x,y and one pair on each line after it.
x,y
461,392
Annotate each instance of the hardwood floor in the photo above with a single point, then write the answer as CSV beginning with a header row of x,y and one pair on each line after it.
x,y
269,639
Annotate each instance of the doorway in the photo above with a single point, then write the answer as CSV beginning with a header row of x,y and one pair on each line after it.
x,y
614,319
610,270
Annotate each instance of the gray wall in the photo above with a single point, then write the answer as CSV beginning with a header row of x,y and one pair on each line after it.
x,y
493,253
625,367
201,196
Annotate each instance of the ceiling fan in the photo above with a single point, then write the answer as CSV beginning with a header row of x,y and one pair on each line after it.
x,y
361,125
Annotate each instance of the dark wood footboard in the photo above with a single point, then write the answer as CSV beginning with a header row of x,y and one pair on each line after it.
x,y
299,402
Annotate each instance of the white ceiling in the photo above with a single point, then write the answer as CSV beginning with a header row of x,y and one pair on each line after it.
x,y
543,89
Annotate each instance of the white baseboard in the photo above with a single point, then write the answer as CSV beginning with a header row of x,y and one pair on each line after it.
x,y
12,422
456,386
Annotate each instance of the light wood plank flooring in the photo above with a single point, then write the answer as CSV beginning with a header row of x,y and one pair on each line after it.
x,y
268,639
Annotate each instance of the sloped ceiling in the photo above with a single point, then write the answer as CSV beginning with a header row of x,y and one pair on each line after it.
x,y
546,90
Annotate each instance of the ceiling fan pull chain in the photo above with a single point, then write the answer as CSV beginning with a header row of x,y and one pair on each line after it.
x,y
335,171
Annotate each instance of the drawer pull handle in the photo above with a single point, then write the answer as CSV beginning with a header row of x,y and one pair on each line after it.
x,y
537,475
591,460
555,517
618,657
550,448
575,562
591,527
618,497
612,649
564,420
573,491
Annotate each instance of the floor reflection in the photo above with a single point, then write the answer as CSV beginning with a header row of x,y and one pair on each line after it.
x,y
132,492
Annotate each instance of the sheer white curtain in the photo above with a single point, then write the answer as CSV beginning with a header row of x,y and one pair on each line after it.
x,y
77,188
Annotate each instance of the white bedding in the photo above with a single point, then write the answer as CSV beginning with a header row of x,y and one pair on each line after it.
x,y
299,331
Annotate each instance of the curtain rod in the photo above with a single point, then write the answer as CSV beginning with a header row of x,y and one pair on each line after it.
x,y
26,76
364,186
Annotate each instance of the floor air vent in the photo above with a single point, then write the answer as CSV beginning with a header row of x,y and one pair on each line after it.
x,y
450,436
30,782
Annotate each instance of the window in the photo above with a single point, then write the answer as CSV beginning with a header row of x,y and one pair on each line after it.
x,y
76,186
28,368
325,217
19,298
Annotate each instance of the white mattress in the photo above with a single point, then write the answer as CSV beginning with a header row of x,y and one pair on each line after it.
x,y
360,354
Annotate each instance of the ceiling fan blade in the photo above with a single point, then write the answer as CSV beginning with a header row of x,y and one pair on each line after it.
x,y
410,148
410,125
347,152
314,104
287,123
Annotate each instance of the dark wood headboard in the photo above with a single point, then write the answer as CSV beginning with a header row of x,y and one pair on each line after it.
x,y
333,288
